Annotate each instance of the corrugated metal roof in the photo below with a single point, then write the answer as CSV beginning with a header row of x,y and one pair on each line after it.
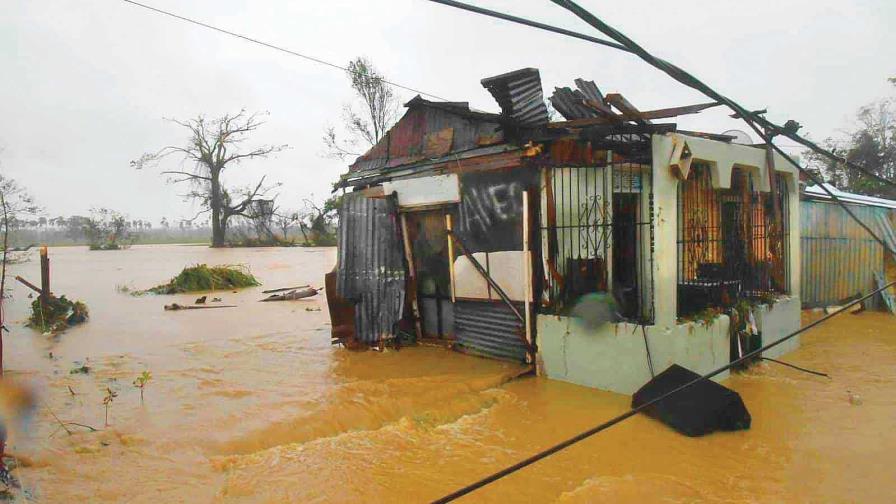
x,y
570,104
816,192
408,140
520,96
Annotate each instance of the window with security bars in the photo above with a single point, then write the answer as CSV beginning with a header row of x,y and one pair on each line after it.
x,y
732,243
597,237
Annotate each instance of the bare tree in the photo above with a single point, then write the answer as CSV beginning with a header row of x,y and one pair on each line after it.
x,y
214,145
14,202
317,221
379,111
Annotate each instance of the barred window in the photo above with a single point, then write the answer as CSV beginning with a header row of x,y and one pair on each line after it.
x,y
730,246
597,236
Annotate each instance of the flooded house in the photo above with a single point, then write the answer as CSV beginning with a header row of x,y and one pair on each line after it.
x,y
599,249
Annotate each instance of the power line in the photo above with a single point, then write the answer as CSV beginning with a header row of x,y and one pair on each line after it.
x,y
275,47
767,130
629,46
634,411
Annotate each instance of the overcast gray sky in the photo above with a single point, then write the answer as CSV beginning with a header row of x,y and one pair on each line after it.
x,y
86,83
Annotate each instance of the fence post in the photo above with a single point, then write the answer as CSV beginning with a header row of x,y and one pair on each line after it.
x,y
44,277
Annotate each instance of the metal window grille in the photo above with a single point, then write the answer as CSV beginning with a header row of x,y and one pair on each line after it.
x,y
730,246
597,236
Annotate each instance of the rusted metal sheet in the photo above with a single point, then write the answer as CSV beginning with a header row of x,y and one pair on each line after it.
x,y
371,270
428,129
520,96
839,258
489,329
571,104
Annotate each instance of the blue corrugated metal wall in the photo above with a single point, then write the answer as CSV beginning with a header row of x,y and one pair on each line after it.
x,y
490,329
839,258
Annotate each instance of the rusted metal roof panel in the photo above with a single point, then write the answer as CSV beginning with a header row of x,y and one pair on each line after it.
x,y
520,96
489,329
570,103
427,130
371,270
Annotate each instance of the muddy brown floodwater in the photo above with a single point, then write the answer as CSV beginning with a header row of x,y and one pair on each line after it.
x,y
253,404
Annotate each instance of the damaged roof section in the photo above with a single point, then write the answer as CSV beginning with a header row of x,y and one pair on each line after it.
x,y
519,95
430,130
432,134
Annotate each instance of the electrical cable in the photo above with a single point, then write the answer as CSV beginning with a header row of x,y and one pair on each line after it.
x,y
766,132
633,411
272,46
624,47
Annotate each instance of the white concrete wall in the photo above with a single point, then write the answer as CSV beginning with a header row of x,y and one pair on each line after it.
x,y
613,356
776,321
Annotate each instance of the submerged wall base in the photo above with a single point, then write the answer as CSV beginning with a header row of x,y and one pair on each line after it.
x,y
613,356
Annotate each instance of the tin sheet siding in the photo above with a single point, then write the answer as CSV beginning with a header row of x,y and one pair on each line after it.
x,y
489,329
371,269
839,258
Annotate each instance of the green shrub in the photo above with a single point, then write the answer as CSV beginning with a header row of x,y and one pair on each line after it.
x,y
207,278
58,314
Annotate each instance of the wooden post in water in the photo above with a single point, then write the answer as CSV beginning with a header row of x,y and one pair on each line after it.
x,y
44,277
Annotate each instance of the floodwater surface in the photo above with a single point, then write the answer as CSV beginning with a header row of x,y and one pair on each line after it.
x,y
253,404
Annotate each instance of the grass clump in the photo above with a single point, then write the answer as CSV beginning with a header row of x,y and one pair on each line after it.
x,y
58,314
207,278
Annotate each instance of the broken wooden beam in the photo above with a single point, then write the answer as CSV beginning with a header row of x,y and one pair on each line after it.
x,y
624,106
29,285
649,114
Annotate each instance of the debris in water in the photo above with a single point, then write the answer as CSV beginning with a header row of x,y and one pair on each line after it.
x,y
201,300
56,314
175,307
292,295
207,278
82,369
700,409
283,289
854,399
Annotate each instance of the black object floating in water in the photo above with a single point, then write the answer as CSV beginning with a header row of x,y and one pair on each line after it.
x,y
702,408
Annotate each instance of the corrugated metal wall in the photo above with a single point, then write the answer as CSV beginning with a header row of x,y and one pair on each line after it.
x,y
371,269
839,258
490,329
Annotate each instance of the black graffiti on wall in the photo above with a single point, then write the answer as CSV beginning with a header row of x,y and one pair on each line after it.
x,y
490,215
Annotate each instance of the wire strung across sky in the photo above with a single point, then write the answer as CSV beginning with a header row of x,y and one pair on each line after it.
x,y
766,129
272,46
623,43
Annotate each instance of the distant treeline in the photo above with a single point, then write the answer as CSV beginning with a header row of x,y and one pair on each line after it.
x,y
106,229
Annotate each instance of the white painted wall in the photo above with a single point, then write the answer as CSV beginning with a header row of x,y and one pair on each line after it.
x,y
613,356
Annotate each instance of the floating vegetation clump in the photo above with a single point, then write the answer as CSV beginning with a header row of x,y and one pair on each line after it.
x,y
207,278
57,314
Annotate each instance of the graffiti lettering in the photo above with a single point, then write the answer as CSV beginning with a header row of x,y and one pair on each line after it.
x,y
484,206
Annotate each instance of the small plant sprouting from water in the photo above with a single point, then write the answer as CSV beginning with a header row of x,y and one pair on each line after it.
x,y
107,400
141,382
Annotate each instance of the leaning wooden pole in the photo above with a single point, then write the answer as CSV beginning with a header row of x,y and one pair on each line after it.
x,y
527,272
412,272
